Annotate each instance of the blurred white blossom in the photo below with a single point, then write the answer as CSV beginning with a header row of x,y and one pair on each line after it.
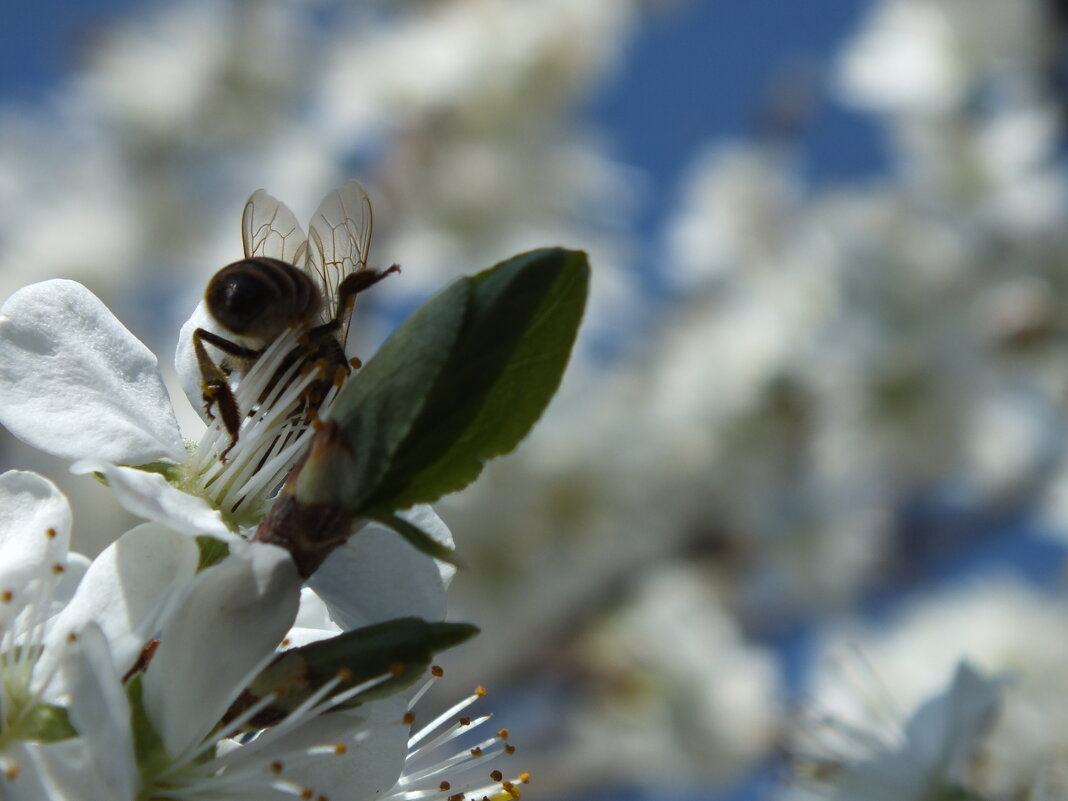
x,y
1003,627
932,755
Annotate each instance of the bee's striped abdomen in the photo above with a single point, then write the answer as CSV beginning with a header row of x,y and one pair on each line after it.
x,y
259,297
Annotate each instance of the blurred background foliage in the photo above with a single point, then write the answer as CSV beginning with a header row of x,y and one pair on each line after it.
x,y
810,451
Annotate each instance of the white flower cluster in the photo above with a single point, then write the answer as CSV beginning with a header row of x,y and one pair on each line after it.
x,y
128,678
829,359
822,359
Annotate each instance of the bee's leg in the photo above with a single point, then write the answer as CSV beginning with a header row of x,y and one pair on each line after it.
x,y
214,383
332,361
225,345
353,285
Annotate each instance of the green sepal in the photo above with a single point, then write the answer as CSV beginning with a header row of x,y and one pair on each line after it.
x,y
461,381
45,723
169,470
211,551
35,721
400,649
148,745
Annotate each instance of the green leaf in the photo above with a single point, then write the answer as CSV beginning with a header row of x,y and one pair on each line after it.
x,y
461,381
381,403
507,365
399,649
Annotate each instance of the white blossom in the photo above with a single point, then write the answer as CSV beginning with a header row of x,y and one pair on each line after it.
x,y
931,756
37,578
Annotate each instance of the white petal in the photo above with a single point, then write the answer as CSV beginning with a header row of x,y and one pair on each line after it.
x,y
185,358
427,519
35,523
368,767
236,612
60,771
75,383
378,576
298,636
313,622
150,496
76,567
100,713
950,728
128,591
313,612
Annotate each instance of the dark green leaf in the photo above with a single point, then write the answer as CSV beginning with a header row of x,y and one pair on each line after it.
x,y
382,402
507,365
461,381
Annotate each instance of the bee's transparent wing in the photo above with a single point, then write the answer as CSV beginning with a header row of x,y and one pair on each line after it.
x,y
268,228
339,238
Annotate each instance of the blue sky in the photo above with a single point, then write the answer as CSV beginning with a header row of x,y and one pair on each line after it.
x,y
706,69
700,70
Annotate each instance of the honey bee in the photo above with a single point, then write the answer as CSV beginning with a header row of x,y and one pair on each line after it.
x,y
287,280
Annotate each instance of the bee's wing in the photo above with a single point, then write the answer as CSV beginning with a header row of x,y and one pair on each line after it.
x,y
339,238
268,228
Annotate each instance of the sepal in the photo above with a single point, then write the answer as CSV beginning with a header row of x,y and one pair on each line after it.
x,y
396,652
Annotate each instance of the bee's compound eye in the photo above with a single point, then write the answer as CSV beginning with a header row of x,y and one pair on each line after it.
x,y
239,296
